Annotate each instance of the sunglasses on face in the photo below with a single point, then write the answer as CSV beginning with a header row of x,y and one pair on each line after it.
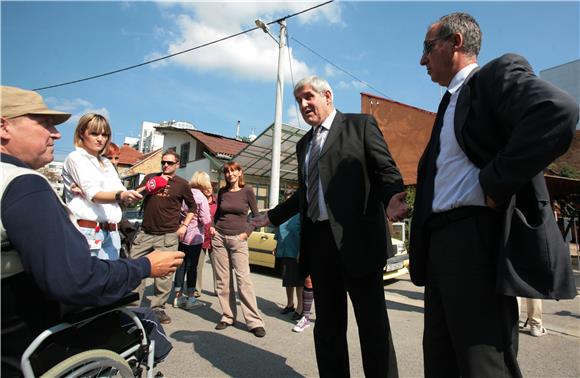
x,y
429,44
165,162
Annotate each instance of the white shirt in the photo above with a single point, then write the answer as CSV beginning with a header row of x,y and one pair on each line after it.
x,y
457,178
84,169
326,124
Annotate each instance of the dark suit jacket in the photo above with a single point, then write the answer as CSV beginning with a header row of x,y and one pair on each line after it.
x,y
358,177
511,125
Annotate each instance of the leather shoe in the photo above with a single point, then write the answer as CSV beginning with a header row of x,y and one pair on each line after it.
x,y
296,316
222,325
258,331
287,310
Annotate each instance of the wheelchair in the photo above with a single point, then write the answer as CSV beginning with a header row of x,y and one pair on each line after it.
x,y
109,341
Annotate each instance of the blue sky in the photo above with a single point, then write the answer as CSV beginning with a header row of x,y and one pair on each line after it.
x,y
46,43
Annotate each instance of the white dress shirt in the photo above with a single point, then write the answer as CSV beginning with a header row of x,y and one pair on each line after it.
x,y
84,169
326,124
457,178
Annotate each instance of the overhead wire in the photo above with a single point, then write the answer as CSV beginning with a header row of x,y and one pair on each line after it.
x,y
178,53
341,69
292,79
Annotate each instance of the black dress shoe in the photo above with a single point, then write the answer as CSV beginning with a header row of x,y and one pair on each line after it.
x,y
259,331
222,325
287,310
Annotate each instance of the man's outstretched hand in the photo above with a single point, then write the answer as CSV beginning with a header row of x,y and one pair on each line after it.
x,y
260,221
164,263
397,209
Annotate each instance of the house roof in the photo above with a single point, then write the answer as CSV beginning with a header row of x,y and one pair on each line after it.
x,y
129,155
218,145
406,130
142,165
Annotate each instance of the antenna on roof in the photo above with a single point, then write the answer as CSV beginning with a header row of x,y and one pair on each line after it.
x,y
238,130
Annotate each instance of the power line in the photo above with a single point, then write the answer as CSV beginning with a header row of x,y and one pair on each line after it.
x,y
178,53
342,69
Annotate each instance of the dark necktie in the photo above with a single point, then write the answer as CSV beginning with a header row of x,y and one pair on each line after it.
x,y
428,165
312,193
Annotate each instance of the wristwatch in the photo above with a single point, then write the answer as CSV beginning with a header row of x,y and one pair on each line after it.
x,y
118,196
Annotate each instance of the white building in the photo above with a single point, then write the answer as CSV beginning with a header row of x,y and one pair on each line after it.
x,y
566,77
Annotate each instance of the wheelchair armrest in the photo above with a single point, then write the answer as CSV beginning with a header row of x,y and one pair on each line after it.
x,y
90,312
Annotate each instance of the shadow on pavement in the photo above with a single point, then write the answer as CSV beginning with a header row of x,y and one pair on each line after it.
x,y
403,307
407,293
235,358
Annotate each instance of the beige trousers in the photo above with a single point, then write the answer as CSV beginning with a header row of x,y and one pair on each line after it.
x,y
534,310
229,257
146,243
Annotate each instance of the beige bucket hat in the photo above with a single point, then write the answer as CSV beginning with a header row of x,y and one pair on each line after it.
x,y
18,102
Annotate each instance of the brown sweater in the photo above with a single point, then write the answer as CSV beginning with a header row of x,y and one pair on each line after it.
x,y
231,217
161,214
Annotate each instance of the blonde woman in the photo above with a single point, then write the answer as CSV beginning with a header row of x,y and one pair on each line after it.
x,y
92,188
191,245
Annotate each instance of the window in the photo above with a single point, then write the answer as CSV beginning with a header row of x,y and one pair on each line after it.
x,y
184,155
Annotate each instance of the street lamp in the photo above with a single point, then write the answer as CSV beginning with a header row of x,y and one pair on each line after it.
x,y
277,132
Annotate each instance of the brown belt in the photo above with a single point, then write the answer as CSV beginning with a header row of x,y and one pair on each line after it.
x,y
103,225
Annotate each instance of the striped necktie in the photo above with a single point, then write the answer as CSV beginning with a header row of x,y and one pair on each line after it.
x,y
313,178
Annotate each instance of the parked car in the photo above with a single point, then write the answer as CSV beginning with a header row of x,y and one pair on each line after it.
x,y
261,244
134,216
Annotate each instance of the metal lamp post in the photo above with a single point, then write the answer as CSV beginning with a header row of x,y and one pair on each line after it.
x,y
277,132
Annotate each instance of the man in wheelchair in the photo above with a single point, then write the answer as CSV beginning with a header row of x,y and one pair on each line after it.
x,y
47,269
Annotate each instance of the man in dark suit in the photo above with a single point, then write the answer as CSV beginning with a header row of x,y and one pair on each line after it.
x,y
482,230
347,178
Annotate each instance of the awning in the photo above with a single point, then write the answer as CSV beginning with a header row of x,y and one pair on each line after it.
x,y
256,157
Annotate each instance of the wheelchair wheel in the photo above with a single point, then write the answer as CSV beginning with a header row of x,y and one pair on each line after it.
x,y
92,363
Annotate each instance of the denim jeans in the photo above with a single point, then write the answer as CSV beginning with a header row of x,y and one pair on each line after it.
x,y
103,244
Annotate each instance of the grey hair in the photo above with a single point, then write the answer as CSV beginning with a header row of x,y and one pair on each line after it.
x,y
317,83
466,25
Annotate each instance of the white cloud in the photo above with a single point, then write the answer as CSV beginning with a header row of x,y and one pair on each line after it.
x,y
77,107
253,55
353,84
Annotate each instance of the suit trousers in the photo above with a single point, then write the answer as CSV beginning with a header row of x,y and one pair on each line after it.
x,y
470,330
331,284
230,257
144,244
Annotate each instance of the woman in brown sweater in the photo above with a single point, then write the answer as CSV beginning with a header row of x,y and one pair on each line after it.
x,y
230,254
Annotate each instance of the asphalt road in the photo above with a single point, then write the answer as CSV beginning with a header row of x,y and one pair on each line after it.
x,y
201,351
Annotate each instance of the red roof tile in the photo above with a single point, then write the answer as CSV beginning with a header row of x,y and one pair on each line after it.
x,y
218,144
129,155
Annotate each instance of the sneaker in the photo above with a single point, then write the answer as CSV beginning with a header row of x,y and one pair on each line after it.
x,y
196,293
162,317
179,301
538,330
259,331
302,325
192,303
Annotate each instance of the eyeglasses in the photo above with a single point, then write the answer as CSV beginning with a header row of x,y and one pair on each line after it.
x,y
430,44
165,162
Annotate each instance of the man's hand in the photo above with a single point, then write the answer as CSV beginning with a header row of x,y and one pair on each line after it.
x,y
243,236
212,231
490,202
164,263
260,220
397,208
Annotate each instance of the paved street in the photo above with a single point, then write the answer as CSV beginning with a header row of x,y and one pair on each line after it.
x,y
201,351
